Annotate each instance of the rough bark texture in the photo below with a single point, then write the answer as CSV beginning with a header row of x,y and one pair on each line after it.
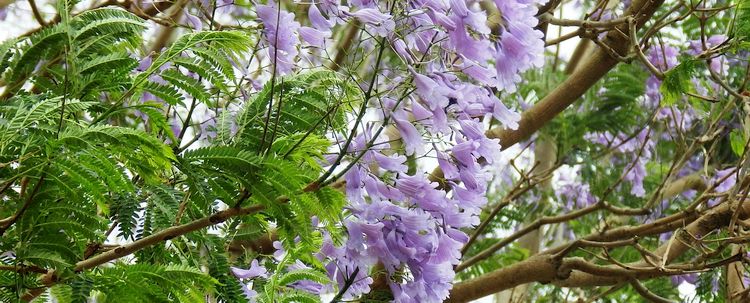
x,y
735,285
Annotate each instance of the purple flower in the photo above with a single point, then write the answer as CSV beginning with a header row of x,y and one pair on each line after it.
x,y
635,169
249,293
317,20
434,94
281,36
484,75
399,46
313,36
468,47
176,126
193,21
663,57
420,113
521,46
636,175
413,142
278,254
304,285
687,278
696,47
371,15
393,163
144,64
503,114
450,170
380,24
727,183
571,189
254,271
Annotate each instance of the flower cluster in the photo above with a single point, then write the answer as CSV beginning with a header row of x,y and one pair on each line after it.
x,y
640,146
401,226
571,189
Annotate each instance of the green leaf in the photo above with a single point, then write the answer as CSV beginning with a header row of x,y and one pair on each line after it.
x,y
223,156
166,92
741,26
125,210
737,140
301,275
299,297
107,63
43,258
315,101
676,81
230,41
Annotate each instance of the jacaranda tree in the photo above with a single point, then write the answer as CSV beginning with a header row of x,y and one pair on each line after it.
x,y
375,151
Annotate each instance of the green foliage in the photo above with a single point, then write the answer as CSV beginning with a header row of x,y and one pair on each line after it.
x,y
228,288
741,22
94,44
711,287
84,156
314,101
280,286
610,106
125,283
737,141
677,81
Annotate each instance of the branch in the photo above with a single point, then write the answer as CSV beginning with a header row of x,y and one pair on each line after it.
x,y
345,44
37,14
715,218
51,277
647,294
8,222
148,14
534,269
583,78
525,230
578,54
693,181
512,195
547,17
164,235
162,39
539,268
735,287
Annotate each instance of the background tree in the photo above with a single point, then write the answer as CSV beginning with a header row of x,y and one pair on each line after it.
x,y
408,151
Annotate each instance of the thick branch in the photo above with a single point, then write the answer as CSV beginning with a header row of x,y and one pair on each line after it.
x,y
718,217
534,269
679,186
658,226
505,278
735,286
599,64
